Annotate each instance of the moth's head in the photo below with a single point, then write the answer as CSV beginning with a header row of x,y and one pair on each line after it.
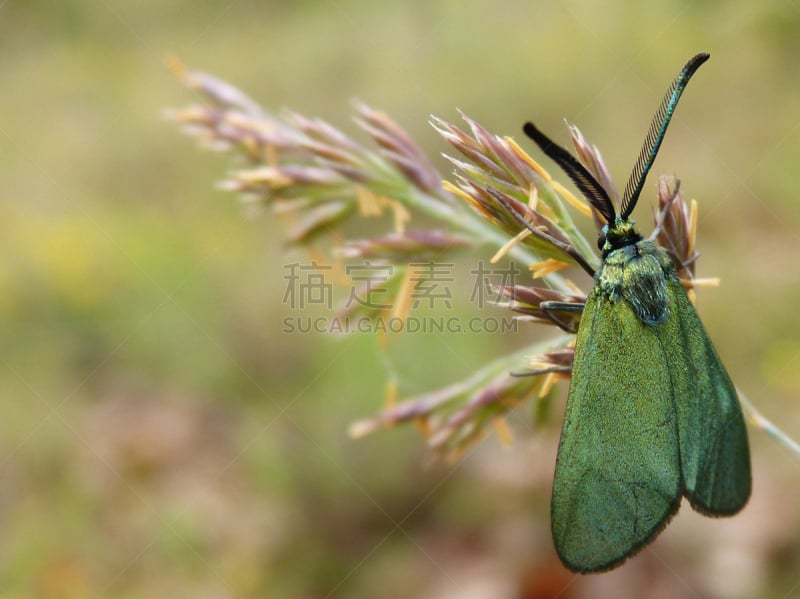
x,y
618,235
618,231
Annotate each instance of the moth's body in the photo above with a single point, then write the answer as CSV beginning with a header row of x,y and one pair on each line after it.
x,y
652,415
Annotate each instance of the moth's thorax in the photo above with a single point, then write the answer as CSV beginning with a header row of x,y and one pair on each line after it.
x,y
637,273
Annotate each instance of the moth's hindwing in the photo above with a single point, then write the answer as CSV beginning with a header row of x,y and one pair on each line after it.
x,y
715,457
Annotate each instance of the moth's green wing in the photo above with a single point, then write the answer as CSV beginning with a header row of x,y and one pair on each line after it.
x,y
715,458
617,479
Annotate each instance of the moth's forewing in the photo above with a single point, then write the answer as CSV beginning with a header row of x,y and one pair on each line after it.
x,y
617,479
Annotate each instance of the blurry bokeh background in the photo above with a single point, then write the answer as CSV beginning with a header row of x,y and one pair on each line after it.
x,y
160,435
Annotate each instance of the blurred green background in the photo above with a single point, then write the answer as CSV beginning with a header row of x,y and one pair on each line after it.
x,y
161,437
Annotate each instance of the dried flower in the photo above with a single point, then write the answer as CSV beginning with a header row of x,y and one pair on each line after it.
x,y
325,178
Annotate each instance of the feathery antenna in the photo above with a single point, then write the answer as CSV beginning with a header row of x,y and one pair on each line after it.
x,y
582,178
655,135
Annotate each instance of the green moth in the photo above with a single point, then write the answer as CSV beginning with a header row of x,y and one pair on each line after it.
x,y
652,415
